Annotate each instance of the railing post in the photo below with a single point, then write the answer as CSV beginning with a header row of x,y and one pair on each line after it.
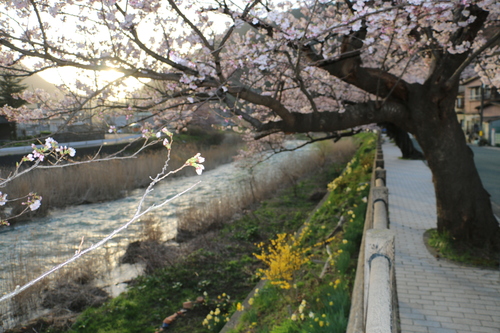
x,y
380,175
379,275
380,195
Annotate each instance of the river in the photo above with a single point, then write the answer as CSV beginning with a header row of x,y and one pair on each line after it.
x,y
47,241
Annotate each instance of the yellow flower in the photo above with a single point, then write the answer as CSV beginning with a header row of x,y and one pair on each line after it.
x,y
217,312
331,303
323,315
337,281
209,317
345,241
340,251
294,317
250,301
321,323
239,307
283,257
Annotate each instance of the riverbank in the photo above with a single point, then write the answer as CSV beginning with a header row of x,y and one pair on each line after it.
x,y
285,168
220,263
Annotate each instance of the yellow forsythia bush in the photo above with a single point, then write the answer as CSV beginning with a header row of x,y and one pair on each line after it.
x,y
283,257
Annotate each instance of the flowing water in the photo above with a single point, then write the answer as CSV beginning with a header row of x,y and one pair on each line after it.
x,y
47,241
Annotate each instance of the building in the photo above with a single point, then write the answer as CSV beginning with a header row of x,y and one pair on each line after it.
x,y
478,110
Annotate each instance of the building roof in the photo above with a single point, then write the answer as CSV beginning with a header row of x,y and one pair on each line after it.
x,y
469,80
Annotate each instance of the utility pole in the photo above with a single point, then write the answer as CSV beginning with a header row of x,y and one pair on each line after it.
x,y
481,108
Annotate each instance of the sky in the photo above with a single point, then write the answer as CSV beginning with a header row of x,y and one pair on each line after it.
x,y
69,75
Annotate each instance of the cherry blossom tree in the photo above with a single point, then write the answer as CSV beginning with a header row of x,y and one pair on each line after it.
x,y
278,67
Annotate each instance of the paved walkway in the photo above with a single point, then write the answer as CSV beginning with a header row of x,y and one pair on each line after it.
x,y
434,296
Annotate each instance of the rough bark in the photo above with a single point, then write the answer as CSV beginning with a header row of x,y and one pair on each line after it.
x,y
463,205
403,141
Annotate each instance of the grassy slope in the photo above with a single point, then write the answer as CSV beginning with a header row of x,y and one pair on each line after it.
x,y
320,302
228,267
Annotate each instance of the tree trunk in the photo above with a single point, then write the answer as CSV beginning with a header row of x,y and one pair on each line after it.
x,y
403,141
463,205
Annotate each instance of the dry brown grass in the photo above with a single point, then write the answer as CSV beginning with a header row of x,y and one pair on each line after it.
x,y
66,292
72,289
150,249
21,271
108,180
204,215
69,289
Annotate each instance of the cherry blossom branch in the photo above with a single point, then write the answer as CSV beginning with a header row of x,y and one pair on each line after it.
x,y
40,24
232,102
51,149
298,78
256,98
79,253
354,115
150,52
456,76
194,161
191,25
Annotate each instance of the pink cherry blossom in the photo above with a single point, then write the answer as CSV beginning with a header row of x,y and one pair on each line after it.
x,y
35,204
199,169
3,198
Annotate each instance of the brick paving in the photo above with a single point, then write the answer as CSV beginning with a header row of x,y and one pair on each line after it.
x,y
434,295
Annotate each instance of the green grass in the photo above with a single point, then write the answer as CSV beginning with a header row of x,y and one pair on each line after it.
x,y
443,246
318,303
154,297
